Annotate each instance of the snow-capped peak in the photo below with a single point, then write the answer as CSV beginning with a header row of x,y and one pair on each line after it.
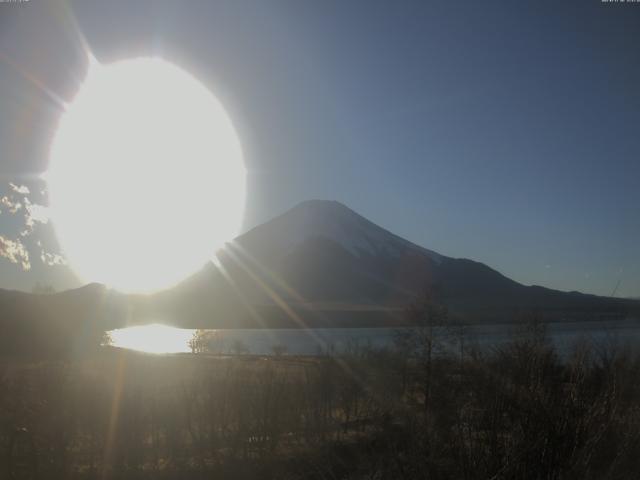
x,y
335,221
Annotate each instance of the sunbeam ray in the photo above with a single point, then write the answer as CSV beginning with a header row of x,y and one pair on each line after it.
x,y
227,276
279,301
34,81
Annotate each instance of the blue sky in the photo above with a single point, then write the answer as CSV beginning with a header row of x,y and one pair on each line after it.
x,y
505,132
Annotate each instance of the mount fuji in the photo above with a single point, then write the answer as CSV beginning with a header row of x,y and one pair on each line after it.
x,y
322,264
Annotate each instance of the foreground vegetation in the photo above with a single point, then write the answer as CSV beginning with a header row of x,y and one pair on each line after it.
x,y
428,408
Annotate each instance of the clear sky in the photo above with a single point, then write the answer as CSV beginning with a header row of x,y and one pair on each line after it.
x,y
506,132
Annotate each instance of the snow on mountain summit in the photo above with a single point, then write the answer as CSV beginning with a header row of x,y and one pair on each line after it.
x,y
334,221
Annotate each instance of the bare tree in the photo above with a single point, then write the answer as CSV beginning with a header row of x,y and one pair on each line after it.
x,y
427,316
199,343
279,350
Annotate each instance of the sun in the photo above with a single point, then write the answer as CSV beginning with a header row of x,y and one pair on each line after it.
x,y
146,177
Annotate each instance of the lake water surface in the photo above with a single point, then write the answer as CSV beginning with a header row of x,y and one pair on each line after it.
x,y
166,339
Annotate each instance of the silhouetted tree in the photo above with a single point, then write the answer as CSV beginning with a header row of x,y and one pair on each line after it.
x,y
278,350
199,343
427,317
239,347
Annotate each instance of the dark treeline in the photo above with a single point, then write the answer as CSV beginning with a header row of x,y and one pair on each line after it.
x,y
430,407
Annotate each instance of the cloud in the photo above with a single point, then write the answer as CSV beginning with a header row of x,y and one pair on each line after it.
x,y
34,213
10,204
18,203
52,259
15,252
21,189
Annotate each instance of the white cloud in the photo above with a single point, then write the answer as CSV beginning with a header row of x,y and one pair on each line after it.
x,y
32,214
21,189
52,259
10,204
35,213
15,252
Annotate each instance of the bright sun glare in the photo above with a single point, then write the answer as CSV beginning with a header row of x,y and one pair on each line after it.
x,y
154,338
146,177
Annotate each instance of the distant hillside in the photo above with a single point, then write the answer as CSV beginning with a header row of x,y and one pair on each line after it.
x,y
55,325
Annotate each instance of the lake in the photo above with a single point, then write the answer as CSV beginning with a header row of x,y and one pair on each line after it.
x,y
166,339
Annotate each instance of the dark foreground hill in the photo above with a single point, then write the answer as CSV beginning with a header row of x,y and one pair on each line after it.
x,y
319,264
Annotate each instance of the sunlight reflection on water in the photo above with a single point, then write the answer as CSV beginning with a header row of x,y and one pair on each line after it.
x,y
153,338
